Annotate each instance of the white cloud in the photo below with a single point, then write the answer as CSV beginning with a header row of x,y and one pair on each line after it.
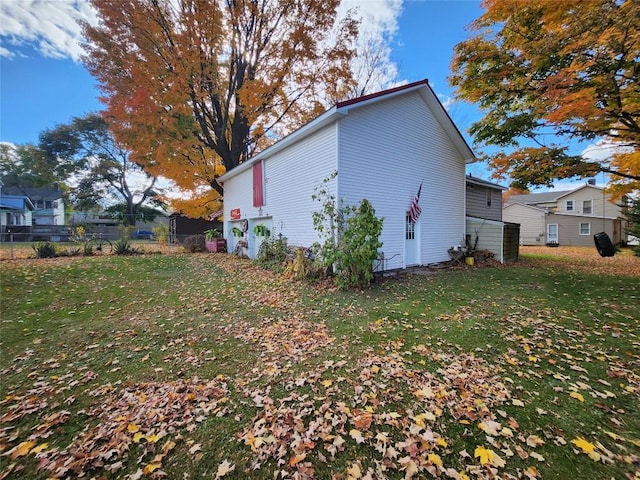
x,y
378,27
51,26
603,150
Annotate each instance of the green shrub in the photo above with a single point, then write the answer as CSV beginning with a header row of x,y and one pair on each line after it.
x,y
351,238
124,247
194,243
44,250
161,232
71,252
272,253
87,249
126,231
358,247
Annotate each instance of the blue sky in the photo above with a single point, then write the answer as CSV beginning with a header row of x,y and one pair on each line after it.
x,y
43,82
38,92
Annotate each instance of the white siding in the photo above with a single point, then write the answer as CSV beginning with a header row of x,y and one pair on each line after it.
x,y
531,220
385,151
600,204
290,178
489,234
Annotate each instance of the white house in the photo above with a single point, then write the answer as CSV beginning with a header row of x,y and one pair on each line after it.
x,y
568,217
383,146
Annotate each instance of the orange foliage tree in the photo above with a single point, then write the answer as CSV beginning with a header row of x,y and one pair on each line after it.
x,y
564,71
194,87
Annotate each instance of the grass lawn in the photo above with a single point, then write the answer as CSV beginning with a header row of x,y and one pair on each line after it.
x,y
204,366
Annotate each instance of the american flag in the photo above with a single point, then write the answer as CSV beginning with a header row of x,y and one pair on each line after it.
x,y
414,209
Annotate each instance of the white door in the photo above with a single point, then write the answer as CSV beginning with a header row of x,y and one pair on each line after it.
x,y
411,243
258,237
552,233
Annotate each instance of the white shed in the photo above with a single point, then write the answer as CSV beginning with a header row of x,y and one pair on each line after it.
x,y
383,146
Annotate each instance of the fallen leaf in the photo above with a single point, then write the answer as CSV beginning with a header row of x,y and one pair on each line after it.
x,y
435,459
485,455
293,461
586,447
537,456
534,441
196,448
577,396
356,435
21,450
151,467
133,428
224,468
39,448
354,472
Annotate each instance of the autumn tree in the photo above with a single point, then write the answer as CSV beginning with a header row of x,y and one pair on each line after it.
x,y
546,74
104,169
194,87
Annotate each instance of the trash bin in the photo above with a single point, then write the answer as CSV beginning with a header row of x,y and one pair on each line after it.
x,y
603,245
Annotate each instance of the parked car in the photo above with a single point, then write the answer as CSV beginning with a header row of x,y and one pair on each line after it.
x,y
143,234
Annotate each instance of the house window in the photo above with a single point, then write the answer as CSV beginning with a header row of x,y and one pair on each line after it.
x,y
585,229
488,198
569,206
586,207
16,219
258,185
409,229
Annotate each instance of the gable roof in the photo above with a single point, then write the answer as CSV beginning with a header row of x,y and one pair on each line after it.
x,y
546,197
484,183
34,193
542,197
525,205
341,109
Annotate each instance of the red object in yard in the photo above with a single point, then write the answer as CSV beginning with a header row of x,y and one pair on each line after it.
x,y
217,245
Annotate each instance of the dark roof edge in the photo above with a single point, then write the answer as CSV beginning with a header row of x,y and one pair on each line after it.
x,y
370,96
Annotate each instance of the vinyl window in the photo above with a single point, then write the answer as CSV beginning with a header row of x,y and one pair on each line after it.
x,y
410,229
585,229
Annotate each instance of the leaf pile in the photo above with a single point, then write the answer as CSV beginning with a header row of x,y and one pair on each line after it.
x,y
150,415
398,413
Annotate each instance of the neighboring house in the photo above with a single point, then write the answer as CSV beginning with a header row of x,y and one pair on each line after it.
x,y
383,146
48,203
15,216
484,199
484,225
569,217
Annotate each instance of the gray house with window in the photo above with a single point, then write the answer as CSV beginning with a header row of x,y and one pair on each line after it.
x,y
485,227
568,217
